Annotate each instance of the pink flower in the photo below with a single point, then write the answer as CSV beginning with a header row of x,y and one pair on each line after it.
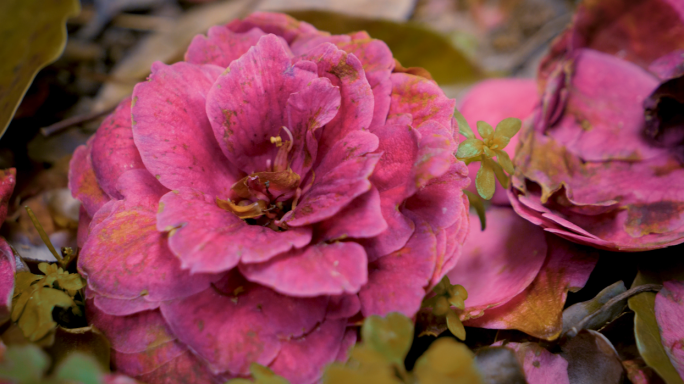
x,y
7,262
244,204
590,168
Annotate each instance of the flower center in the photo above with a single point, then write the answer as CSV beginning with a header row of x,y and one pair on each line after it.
x,y
263,198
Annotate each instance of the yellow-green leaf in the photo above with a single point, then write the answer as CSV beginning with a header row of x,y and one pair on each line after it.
x,y
478,204
33,35
469,148
23,364
508,128
447,361
391,336
505,161
463,127
261,375
411,44
484,181
485,130
36,319
498,171
455,326
79,368
647,332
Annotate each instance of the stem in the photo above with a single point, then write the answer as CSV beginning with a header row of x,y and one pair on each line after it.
x,y
624,295
44,236
61,125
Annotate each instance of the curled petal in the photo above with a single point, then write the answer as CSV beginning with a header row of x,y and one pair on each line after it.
x,y
83,182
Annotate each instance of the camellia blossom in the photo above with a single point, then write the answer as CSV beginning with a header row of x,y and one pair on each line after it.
x,y
244,204
590,167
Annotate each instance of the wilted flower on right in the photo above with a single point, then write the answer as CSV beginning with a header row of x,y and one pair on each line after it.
x,y
601,162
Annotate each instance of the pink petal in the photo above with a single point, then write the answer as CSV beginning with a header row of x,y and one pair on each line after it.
x,y
264,77
183,369
348,342
540,365
399,227
343,306
378,63
397,282
302,360
123,307
399,145
439,201
340,178
140,363
277,23
83,224
126,257
455,237
501,261
221,46
308,110
436,154
83,182
208,239
114,151
362,218
305,43
669,311
603,117
356,110
421,98
537,310
170,129
131,334
7,270
322,269
231,331
8,178
668,66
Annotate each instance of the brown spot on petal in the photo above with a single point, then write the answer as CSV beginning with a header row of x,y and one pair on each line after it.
x,y
658,217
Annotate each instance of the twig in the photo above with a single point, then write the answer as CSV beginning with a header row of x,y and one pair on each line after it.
x,y
624,295
66,123
45,237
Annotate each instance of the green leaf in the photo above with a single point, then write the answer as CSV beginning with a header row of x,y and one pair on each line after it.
x,y
33,35
485,130
411,44
390,336
477,203
646,330
463,127
447,361
24,364
470,148
261,375
484,181
499,172
81,369
455,326
508,128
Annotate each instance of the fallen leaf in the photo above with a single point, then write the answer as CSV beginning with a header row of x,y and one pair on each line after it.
x,y
34,35
499,365
167,47
397,10
592,359
577,312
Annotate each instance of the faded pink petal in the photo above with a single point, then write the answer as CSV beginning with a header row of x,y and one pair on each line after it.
x,y
343,306
125,257
140,363
501,261
231,329
113,150
206,238
183,369
397,282
331,269
123,307
399,227
540,365
171,130
221,46
669,312
318,348
421,98
83,182
361,219
537,310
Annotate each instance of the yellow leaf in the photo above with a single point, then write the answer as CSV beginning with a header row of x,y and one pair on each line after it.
x,y
484,181
498,171
507,128
455,326
469,148
33,36
447,361
36,319
391,336
505,161
485,130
